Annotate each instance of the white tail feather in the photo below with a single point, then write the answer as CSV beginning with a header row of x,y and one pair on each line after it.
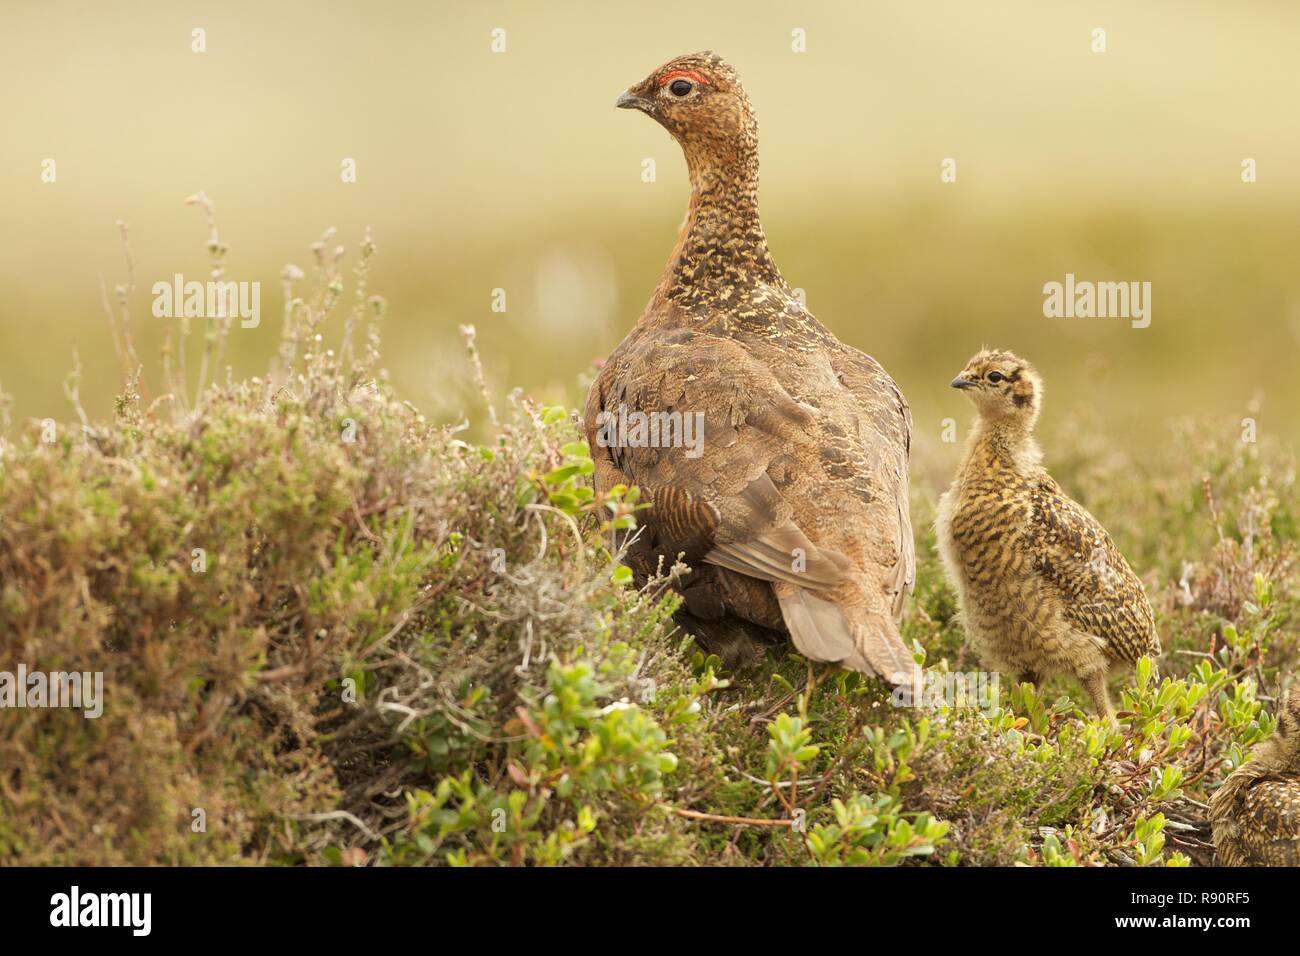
x,y
860,640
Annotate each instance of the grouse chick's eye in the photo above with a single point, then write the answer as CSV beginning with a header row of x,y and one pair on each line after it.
x,y
996,377
681,87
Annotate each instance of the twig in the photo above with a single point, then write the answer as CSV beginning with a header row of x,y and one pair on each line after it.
x,y
468,333
719,818
339,815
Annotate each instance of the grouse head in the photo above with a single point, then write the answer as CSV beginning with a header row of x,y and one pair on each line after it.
x,y
1002,386
699,100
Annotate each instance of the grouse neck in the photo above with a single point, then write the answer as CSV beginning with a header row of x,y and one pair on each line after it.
x,y
721,244
1273,756
1006,440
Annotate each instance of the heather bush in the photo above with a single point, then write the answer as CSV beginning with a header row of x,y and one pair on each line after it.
x,y
334,632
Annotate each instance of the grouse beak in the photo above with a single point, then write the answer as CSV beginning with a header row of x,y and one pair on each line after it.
x,y
626,101
960,382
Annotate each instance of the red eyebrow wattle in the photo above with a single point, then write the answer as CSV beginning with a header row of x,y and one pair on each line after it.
x,y
688,74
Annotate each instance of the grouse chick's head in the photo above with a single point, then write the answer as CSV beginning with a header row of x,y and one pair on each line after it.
x,y
1002,386
699,100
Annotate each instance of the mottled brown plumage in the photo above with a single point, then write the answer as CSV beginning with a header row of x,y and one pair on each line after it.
x,y
1042,587
793,515
1256,813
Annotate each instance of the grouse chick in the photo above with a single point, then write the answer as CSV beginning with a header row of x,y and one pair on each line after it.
x,y
1043,589
1256,813
792,512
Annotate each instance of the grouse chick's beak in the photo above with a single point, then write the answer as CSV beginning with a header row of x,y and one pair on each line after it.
x,y
627,101
960,382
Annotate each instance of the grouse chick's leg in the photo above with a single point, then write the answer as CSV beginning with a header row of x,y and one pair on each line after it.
x,y
1028,677
1095,684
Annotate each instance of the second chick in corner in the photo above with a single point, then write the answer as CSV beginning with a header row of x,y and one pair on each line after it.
x,y
1256,813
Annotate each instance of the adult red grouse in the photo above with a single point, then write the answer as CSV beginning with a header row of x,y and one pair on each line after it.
x,y
791,505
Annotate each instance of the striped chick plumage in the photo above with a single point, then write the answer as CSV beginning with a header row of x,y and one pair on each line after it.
x,y
1042,587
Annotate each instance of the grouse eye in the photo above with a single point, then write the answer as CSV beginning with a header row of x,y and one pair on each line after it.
x,y
996,377
680,87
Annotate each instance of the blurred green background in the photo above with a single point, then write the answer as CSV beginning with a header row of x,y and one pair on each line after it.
x,y
479,170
